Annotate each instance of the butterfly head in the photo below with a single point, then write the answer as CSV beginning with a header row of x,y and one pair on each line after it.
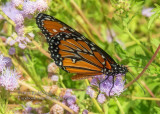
x,y
118,69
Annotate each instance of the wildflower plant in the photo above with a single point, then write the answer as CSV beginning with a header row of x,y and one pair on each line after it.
x,y
126,30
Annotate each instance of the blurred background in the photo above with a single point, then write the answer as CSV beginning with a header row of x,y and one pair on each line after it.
x,y
128,30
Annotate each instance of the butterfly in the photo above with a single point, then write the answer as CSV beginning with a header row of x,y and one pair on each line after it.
x,y
74,53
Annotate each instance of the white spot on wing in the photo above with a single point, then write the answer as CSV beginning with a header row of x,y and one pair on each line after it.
x,y
54,30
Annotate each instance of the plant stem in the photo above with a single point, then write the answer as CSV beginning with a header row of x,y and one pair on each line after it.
x,y
119,105
143,98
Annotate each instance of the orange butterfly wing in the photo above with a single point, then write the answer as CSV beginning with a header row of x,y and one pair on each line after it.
x,y
72,51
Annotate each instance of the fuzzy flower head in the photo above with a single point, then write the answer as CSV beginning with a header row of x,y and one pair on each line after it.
x,y
85,111
101,98
57,109
108,86
16,2
29,7
112,87
14,14
9,79
3,62
74,107
54,78
70,100
90,92
41,5
8,61
147,12
12,51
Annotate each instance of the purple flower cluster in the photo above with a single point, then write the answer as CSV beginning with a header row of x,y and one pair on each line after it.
x,y
18,16
3,63
8,78
54,78
29,109
21,40
147,12
70,101
106,86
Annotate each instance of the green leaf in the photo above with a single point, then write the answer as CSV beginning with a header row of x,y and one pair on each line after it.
x,y
119,49
154,16
157,110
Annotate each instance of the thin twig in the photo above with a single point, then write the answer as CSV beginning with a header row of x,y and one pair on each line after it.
x,y
153,57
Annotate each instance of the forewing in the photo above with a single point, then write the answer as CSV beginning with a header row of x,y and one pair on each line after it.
x,y
72,51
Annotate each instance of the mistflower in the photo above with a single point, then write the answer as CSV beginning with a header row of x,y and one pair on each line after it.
x,y
2,62
110,89
106,87
90,92
17,2
14,14
28,110
52,67
9,79
54,78
10,41
57,109
22,41
85,111
74,107
101,98
71,100
29,7
19,19
41,5
22,46
20,30
8,61
12,51
147,12
67,93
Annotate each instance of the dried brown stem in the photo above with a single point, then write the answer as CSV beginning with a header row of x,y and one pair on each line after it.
x,y
46,96
153,57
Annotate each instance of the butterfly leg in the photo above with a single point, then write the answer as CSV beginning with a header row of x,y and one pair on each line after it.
x,y
112,86
100,84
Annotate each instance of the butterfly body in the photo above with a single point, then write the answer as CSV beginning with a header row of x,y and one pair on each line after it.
x,y
74,53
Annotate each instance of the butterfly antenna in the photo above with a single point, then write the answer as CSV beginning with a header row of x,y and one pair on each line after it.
x,y
139,67
138,83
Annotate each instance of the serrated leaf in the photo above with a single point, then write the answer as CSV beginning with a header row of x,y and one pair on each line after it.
x,y
119,49
154,16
